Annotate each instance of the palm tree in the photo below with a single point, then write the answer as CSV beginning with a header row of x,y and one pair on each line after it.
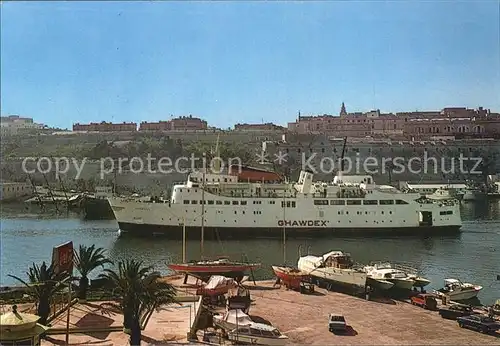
x,y
86,260
43,283
140,292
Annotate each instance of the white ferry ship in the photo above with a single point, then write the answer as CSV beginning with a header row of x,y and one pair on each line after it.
x,y
231,208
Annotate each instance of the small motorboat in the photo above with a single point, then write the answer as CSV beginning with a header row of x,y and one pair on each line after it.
x,y
443,194
384,272
240,328
216,286
258,334
231,319
419,281
453,311
291,277
496,307
456,290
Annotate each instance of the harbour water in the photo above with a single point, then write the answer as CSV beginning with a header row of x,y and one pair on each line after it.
x,y
472,256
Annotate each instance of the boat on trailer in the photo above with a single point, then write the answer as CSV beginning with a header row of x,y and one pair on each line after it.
x,y
385,273
457,290
240,328
222,266
290,276
335,267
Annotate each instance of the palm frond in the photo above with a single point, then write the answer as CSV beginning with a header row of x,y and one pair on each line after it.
x,y
88,258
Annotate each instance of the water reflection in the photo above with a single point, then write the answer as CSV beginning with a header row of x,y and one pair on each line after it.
x,y
480,210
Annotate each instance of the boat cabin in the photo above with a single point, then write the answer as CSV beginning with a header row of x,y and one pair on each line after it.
x,y
263,331
338,259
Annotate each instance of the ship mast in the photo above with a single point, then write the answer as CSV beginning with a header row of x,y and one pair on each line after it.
x,y
203,194
284,229
202,215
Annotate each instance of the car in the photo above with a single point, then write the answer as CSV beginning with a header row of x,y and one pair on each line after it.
x,y
425,300
336,323
456,310
480,323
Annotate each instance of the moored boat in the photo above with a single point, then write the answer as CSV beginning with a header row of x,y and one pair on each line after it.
x,y
351,204
398,272
443,194
456,290
335,266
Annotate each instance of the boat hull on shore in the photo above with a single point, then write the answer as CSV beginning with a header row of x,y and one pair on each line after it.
x,y
235,232
379,284
290,276
212,268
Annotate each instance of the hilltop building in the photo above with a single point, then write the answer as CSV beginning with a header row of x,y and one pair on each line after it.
x,y
258,127
105,127
17,125
189,123
453,121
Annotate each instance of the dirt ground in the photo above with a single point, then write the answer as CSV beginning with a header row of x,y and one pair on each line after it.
x,y
304,319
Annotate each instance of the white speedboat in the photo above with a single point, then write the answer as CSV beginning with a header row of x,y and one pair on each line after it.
x,y
457,290
239,327
418,280
443,194
257,334
384,271
231,319
334,266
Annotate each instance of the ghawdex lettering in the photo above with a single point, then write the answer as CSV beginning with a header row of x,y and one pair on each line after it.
x,y
308,223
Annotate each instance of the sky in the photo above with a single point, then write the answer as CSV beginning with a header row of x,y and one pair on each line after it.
x,y
245,62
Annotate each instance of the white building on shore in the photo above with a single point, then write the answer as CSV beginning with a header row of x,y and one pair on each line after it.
x,y
12,191
15,124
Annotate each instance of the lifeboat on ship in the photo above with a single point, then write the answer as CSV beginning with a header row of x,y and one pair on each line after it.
x,y
255,175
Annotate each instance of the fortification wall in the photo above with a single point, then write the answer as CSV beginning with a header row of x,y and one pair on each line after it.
x,y
323,150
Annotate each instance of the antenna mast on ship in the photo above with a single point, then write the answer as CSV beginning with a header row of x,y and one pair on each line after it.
x,y
284,229
342,157
203,194
202,215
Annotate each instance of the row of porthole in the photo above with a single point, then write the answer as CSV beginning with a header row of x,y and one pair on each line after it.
x,y
358,212
243,212
170,219
367,221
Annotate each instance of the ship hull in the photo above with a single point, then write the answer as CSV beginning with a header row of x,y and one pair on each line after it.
x,y
214,233
97,209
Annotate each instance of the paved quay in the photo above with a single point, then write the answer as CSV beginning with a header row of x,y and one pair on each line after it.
x,y
303,318
381,321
